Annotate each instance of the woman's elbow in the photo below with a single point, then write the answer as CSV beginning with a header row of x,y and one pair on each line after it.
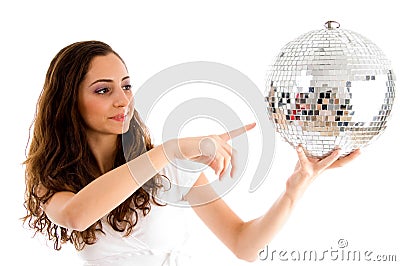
x,y
247,258
76,225
62,210
248,255
75,220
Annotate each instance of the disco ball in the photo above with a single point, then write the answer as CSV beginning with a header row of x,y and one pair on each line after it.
x,y
330,88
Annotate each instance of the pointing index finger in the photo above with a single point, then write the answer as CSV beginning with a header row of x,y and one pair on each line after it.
x,y
236,132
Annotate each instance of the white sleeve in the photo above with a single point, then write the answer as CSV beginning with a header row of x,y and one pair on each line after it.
x,y
182,175
188,173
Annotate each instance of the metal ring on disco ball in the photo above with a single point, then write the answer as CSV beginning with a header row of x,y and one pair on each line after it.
x,y
330,88
328,24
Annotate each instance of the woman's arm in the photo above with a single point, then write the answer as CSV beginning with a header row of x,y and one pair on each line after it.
x,y
245,239
79,211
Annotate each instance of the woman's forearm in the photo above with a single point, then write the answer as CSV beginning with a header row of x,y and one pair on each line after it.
x,y
255,234
79,211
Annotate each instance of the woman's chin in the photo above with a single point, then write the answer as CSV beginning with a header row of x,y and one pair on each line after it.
x,y
125,129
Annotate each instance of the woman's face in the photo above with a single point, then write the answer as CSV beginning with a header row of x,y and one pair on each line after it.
x,y
105,98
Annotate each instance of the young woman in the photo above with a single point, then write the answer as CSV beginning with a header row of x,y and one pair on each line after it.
x,y
94,178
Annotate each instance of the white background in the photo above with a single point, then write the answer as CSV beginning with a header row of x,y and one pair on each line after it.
x,y
358,203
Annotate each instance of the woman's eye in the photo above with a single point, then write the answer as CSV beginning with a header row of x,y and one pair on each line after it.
x,y
102,90
127,87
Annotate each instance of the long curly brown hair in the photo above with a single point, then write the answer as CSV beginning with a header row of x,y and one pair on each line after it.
x,y
59,157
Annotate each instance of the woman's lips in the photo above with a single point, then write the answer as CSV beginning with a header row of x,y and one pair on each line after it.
x,y
119,117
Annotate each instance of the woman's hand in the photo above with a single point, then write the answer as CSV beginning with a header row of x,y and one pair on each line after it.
x,y
211,150
307,169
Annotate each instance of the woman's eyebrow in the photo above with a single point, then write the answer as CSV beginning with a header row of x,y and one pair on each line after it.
x,y
100,80
106,80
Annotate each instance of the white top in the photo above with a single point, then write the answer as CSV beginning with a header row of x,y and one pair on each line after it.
x,y
157,239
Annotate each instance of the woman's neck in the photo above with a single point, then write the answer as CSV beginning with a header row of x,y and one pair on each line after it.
x,y
104,149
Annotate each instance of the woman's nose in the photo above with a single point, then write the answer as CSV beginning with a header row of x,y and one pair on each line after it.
x,y
121,98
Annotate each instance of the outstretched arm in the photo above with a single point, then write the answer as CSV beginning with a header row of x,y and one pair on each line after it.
x,y
79,211
245,239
